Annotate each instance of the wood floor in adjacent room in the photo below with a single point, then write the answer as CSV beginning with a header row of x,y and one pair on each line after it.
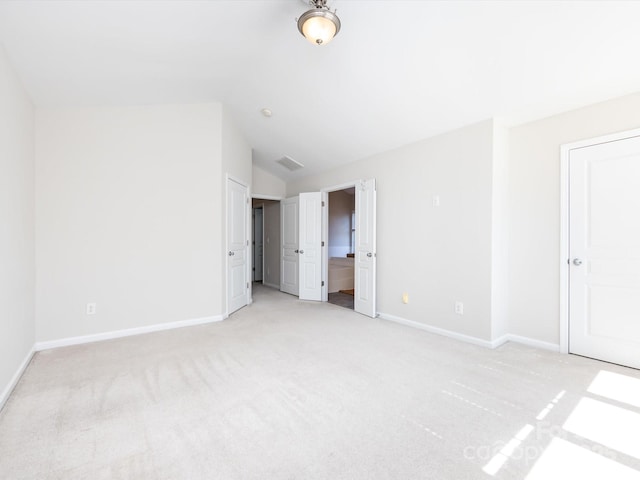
x,y
286,389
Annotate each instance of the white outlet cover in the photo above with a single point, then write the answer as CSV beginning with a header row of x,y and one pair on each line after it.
x,y
459,308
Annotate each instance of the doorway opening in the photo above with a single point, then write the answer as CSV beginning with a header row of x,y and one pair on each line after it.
x,y
341,233
304,241
265,242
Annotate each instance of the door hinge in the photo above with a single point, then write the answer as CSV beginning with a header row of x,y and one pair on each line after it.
x,y
247,243
247,201
322,285
247,285
322,244
322,203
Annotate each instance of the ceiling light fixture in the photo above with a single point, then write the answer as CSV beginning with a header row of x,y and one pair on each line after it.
x,y
319,25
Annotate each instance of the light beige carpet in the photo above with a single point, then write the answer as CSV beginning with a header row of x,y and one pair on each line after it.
x,y
286,389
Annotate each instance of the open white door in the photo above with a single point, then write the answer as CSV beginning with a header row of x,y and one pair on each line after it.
x,y
365,251
237,240
289,243
310,258
604,249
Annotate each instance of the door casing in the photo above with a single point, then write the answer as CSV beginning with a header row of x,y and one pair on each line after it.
x,y
564,223
325,237
325,233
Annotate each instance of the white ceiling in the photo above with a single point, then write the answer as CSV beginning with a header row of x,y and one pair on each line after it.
x,y
399,71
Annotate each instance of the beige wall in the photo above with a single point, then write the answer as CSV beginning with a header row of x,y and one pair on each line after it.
x,y
17,269
436,255
534,208
266,184
128,216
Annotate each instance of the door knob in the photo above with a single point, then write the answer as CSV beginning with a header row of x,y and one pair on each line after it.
x,y
301,252
297,251
577,262
369,255
231,254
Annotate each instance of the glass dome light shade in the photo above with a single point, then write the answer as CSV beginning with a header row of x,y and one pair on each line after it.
x,y
319,26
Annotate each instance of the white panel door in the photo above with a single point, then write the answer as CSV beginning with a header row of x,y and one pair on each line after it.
x,y
310,256
289,244
604,246
237,240
365,251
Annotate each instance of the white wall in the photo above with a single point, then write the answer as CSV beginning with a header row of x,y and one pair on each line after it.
x,y
128,215
436,255
236,152
341,204
534,208
17,269
267,184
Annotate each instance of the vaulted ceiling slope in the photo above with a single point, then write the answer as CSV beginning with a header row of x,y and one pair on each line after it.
x,y
398,71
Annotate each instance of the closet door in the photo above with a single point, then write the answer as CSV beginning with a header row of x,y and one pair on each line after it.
x,y
365,251
310,254
289,245
604,250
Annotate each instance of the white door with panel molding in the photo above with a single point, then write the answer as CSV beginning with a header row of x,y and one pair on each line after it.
x,y
237,246
365,251
289,273
310,249
604,251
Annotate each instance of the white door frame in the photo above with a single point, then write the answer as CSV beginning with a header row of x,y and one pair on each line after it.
x,y
564,223
248,233
254,244
267,197
325,234
258,196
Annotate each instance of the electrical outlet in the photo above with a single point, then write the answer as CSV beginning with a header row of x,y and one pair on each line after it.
x,y
459,308
91,308
405,298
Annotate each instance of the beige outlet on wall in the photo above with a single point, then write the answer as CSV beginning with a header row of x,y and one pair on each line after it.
x,y
405,298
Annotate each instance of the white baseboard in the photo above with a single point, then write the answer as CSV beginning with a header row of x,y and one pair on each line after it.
x,y
474,340
98,337
16,378
436,330
531,342
500,341
271,285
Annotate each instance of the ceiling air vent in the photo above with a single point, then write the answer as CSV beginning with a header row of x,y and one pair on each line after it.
x,y
289,163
